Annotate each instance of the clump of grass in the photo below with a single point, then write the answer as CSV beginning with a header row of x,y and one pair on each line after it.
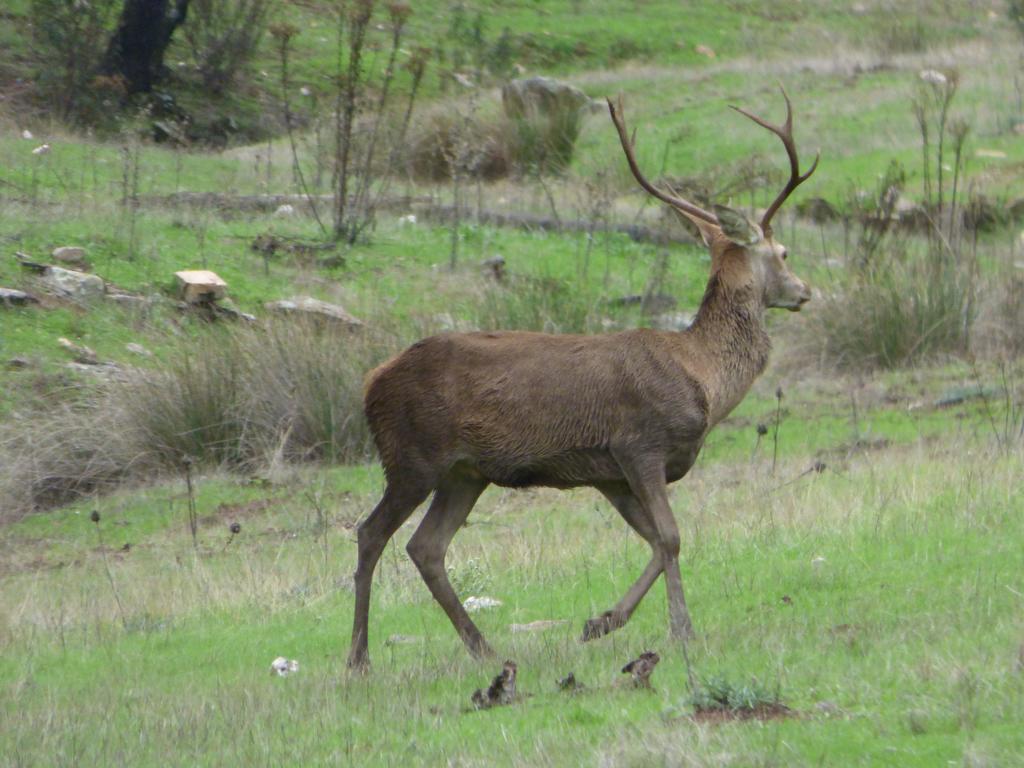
x,y
900,314
719,694
494,145
243,398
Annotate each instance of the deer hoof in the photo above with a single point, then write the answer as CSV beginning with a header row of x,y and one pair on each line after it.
x,y
600,626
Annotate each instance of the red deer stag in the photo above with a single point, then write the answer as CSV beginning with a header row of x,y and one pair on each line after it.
x,y
625,413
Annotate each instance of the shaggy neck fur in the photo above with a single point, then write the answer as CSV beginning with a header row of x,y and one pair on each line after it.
x,y
731,342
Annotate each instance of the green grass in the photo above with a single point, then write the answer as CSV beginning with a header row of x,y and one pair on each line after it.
x,y
900,647
906,635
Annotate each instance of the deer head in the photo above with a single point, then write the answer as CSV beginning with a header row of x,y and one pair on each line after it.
x,y
744,255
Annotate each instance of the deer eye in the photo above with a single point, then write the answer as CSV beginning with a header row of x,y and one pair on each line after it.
x,y
784,254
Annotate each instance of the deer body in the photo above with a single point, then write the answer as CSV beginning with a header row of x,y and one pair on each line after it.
x,y
625,413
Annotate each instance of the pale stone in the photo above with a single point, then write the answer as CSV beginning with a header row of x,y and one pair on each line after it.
x,y
200,285
308,306
74,284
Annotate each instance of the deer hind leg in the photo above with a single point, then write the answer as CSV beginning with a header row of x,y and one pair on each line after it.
x,y
450,507
647,481
398,503
638,518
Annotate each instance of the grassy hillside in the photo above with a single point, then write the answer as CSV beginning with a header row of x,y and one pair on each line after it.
x,y
860,560
879,598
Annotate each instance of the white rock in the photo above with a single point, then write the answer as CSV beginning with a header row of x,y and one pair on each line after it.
x,y
305,91
197,285
138,349
932,76
408,219
69,254
76,285
818,563
42,149
475,603
285,210
27,134
538,626
282,666
310,307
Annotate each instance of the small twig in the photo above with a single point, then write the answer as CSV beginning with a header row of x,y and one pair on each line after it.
x,y
193,518
95,517
775,434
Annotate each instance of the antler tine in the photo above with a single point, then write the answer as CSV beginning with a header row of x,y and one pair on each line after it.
x,y
784,132
627,147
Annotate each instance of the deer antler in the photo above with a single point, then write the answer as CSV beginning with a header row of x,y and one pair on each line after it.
x,y
627,146
784,132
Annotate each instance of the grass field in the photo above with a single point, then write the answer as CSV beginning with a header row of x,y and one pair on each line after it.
x,y
861,560
900,646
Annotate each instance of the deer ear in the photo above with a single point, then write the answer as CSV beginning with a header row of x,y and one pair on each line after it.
x,y
707,230
737,227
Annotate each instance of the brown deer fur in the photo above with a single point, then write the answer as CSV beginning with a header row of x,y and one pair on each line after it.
x,y
625,413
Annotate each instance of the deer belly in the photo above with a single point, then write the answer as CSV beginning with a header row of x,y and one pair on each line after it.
x,y
565,470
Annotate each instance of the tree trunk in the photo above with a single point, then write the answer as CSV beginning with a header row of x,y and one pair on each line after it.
x,y
136,49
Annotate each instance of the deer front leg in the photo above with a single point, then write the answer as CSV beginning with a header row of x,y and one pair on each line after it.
x,y
646,478
449,508
633,512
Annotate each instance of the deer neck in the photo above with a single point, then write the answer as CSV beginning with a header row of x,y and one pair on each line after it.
x,y
730,343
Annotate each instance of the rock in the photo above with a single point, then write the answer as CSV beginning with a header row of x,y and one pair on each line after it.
x,y
73,284
103,371
228,310
314,308
284,211
25,262
544,96
828,708
27,134
18,363
283,667
403,640
71,255
538,626
200,286
817,209
959,395
82,354
672,321
129,300
408,220
42,149
9,297
138,349
652,303
475,603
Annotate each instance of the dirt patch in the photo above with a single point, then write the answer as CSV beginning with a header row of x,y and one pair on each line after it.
x,y
760,712
231,512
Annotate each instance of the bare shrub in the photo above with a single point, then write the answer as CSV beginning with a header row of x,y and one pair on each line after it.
x,y
492,146
543,143
905,299
439,136
223,36
899,314
66,36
